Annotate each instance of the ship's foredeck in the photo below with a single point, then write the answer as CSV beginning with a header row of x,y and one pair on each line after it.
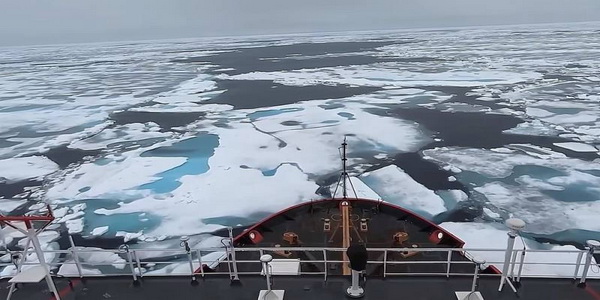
x,y
303,287
338,223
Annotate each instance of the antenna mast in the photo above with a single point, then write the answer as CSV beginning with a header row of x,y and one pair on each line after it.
x,y
344,178
344,172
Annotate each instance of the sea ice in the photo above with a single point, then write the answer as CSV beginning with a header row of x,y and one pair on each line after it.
x,y
8,205
123,172
495,164
356,188
540,211
98,231
222,191
395,186
69,269
577,147
489,236
96,257
22,168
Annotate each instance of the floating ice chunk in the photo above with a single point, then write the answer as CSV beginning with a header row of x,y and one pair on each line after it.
x,y
451,178
395,186
582,117
489,236
200,83
540,211
540,152
21,168
450,168
100,257
75,226
538,112
211,260
45,237
72,216
490,213
120,134
494,164
98,231
8,205
91,180
128,236
359,187
452,197
577,147
69,269
535,127
502,150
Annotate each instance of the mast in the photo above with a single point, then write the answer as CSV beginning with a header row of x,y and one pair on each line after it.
x,y
344,172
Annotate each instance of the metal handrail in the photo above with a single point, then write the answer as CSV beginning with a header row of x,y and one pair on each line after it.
x,y
194,257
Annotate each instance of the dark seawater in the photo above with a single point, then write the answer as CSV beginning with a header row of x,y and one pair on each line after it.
x,y
64,156
166,120
273,58
10,190
264,93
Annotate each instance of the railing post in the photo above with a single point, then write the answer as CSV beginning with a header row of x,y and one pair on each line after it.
x,y
577,264
199,254
184,243
138,263
325,263
125,248
75,256
592,246
521,263
449,262
513,264
234,277
385,253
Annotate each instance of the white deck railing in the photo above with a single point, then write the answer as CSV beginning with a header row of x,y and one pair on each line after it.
x,y
79,262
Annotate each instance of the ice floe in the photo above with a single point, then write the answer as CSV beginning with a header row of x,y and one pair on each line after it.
x,y
490,236
395,186
98,231
22,168
500,164
223,191
577,147
8,205
115,175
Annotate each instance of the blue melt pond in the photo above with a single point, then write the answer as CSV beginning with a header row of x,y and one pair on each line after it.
x,y
271,112
346,115
197,150
269,173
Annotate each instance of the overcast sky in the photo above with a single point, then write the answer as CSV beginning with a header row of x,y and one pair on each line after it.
x,y
66,21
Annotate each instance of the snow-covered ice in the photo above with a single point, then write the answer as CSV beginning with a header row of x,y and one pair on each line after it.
x,y
30,167
395,186
577,147
98,231
490,236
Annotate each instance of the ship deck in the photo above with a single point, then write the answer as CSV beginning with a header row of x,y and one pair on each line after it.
x,y
374,224
303,287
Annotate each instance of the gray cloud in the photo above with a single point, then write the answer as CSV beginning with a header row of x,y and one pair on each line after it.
x,y
65,21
